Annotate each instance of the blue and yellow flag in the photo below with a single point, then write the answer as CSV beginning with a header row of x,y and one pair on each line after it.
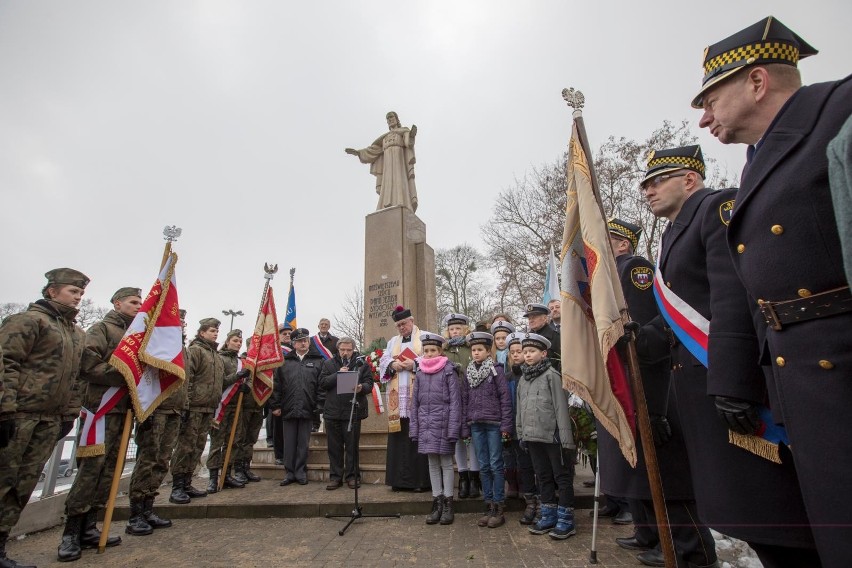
x,y
290,318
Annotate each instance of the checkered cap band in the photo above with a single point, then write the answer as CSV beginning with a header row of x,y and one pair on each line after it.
x,y
767,52
624,231
679,161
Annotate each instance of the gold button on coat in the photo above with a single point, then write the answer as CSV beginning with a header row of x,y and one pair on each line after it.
x,y
826,364
804,293
740,248
777,229
780,361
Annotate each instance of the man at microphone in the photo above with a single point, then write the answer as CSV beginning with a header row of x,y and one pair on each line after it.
x,y
340,440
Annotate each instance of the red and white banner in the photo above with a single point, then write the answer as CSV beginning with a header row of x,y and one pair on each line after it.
x,y
227,396
92,434
150,355
264,353
377,399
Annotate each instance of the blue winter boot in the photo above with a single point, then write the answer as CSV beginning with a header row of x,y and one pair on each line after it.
x,y
547,520
564,525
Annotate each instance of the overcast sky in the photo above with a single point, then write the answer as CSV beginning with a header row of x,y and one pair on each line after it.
x,y
229,119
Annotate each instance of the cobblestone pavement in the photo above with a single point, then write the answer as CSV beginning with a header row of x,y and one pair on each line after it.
x,y
314,543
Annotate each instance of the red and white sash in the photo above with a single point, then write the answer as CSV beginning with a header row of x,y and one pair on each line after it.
x,y
227,395
92,435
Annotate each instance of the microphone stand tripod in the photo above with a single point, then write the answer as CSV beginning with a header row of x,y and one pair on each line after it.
x,y
357,511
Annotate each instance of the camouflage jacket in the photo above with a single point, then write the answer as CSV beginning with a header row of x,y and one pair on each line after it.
x,y
95,371
176,403
229,358
42,348
205,372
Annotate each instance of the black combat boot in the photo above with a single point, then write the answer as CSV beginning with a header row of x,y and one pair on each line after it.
x,y
136,524
250,475
437,510
447,515
239,474
69,548
91,536
231,482
178,496
153,519
213,484
464,484
528,518
190,490
5,561
475,485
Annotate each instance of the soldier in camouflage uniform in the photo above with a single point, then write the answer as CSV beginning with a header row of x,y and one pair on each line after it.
x,y
205,372
90,489
155,441
248,430
219,434
42,348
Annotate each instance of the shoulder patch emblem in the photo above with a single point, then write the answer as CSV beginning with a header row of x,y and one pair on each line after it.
x,y
725,211
642,277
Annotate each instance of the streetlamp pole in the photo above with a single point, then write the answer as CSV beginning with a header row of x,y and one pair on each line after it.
x,y
232,313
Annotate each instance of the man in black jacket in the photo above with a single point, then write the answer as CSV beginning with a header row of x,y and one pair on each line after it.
x,y
538,321
337,409
296,399
787,253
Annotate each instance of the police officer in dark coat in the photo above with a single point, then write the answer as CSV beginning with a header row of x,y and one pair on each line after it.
x,y
538,320
738,492
787,253
653,347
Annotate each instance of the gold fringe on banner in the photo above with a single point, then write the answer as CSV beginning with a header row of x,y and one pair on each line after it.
x,y
756,445
91,451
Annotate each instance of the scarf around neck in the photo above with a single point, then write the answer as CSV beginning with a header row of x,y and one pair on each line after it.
x,y
531,372
476,376
433,365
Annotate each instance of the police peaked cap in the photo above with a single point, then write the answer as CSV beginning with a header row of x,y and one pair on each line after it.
x,y
626,230
672,159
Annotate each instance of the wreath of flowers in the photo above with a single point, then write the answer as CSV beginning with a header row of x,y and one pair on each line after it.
x,y
373,362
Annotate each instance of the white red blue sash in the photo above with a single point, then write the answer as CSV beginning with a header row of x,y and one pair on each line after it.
x,y
690,327
323,350
227,396
92,434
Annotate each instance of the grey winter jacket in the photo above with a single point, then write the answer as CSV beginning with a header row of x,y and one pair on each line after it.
x,y
542,410
489,402
436,411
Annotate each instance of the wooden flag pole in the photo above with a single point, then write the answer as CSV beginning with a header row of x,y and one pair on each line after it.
x,y
576,100
269,271
170,234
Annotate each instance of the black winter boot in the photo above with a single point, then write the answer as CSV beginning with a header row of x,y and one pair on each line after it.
x,y
464,484
178,496
91,536
213,484
190,490
239,474
231,482
136,524
69,548
447,516
5,561
437,510
155,521
250,475
475,485
528,518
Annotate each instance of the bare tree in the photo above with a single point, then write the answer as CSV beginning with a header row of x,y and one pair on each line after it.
x,y
463,283
88,313
351,322
9,308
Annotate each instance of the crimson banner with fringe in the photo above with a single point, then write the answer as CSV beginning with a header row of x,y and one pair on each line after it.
x,y
264,353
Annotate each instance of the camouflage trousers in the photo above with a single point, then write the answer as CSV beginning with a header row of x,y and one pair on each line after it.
x,y
190,442
219,436
248,429
155,442
94,475
21,463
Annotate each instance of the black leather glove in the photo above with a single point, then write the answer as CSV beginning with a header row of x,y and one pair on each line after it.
x,y
661,430
66,427
244,373
7,432
738,415
245,388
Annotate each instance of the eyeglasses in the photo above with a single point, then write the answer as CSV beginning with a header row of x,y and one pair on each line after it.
x,y
654,182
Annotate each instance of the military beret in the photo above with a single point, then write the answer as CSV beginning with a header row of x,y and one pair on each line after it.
x,y
514,337
400,313
234,333
126,293
455,319
67,276
479,338
429,338
535,340
536,309
209,322
502,325
767,41
626,230
672,159
299,333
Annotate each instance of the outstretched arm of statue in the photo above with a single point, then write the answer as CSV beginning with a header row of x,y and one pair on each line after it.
x,y
352,151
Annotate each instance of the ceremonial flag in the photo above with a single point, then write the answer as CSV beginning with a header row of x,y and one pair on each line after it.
x,y
264,352
227,396
92,434
551,281
150,355
592,307
290,318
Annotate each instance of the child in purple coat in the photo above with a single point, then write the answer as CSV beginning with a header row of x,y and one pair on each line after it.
x,y
435,422
487,407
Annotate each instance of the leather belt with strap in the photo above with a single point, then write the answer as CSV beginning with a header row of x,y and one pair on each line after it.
x,y
824,304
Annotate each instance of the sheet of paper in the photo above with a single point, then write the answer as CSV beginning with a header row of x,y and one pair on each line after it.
x,y
346,382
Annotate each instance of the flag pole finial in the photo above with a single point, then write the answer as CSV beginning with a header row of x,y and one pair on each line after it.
x,y
575,100
171,233
269,270
292,274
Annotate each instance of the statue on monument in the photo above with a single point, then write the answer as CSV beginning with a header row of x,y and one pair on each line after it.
x,y
391,159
